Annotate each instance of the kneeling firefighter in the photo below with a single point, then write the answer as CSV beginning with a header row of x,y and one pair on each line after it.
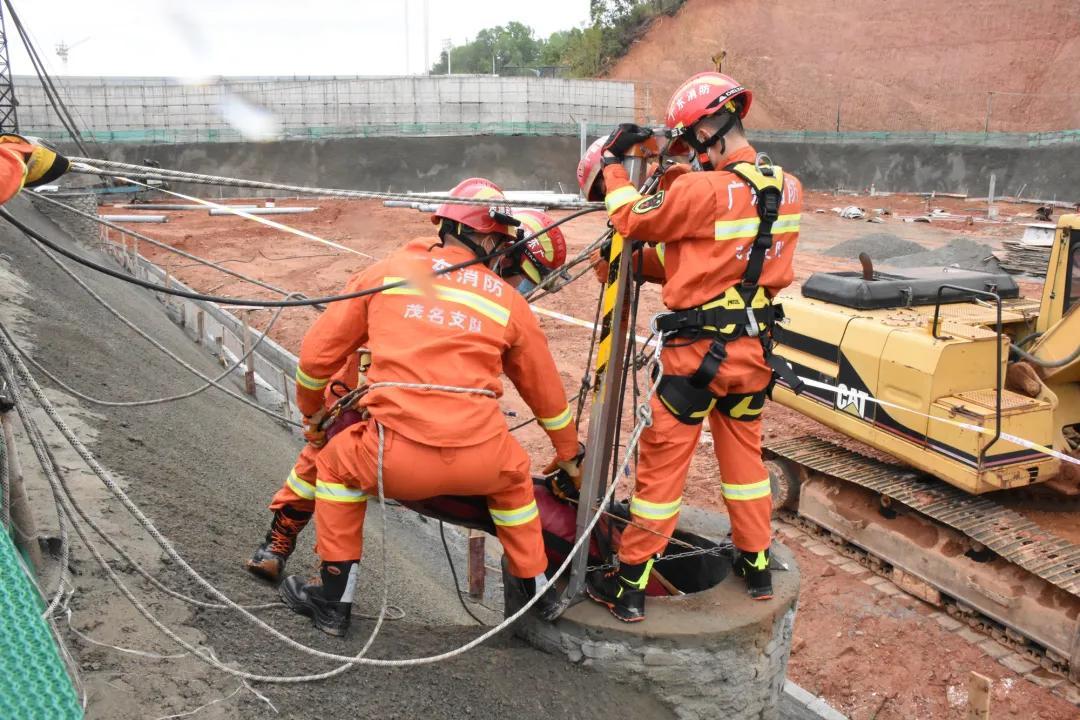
x,y
721,240
455,330
294,503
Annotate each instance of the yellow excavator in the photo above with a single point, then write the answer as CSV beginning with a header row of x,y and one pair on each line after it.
x,y
959,393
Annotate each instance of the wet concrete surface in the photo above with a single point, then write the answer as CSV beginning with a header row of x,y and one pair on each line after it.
x,y
203,470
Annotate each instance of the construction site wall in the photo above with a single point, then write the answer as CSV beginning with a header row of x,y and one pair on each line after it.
x,y
407,163
548,163
165,110
1040,172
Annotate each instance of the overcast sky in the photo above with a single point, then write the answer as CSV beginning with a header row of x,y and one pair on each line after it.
x,y
263,37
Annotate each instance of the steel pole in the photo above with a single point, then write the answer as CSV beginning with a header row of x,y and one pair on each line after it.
x,y
607,396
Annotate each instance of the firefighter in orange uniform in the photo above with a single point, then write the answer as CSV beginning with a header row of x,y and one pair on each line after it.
x,y
294,503
724,237
455,330
27,162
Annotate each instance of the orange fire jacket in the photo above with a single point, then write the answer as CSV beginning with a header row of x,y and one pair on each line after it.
x,y
12,168
703,225
460,329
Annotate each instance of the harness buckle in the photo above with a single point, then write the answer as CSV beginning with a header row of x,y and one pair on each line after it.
x,y
717,351
752,326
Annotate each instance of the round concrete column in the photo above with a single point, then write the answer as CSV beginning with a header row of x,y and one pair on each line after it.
x,y
709,654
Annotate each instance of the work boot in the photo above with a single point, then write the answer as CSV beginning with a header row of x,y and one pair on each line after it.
x,y
754,568
547,607
622,590
268,561
328,603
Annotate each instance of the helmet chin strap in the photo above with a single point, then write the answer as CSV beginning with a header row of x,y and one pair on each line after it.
x,y
455,230
701,160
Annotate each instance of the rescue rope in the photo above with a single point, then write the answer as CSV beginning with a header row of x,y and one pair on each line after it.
x,y
166,246
644,420
255,218
141,333
98,166
41,451
256,302
168,398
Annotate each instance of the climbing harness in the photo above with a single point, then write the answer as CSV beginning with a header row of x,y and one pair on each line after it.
x,y
742,310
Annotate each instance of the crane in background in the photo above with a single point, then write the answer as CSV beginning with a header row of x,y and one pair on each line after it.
x,y
62,48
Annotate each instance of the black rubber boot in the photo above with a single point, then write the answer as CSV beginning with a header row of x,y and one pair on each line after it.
x,y
547,607
268,560
329,604
622,590
754,568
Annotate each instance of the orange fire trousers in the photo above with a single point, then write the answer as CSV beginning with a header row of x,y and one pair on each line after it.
x,y
667,447
497,468
298,490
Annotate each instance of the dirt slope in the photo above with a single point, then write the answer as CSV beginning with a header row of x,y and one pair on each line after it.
x,y
913,65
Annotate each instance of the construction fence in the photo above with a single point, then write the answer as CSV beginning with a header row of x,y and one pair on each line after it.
x,y
164,110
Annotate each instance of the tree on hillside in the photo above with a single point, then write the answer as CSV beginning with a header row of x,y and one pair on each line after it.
x,y
510,44
588,51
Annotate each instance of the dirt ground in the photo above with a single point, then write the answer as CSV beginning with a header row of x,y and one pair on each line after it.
x,y
873,65
868,657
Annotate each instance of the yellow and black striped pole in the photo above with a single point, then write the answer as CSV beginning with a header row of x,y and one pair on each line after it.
x,y
607,394
612,288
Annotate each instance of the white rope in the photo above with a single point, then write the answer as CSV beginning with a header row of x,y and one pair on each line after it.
x,y
1008,437
96,166
141,333
256,218
645,419
161,400
165,246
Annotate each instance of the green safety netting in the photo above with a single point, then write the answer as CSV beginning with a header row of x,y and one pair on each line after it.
x,y
34,684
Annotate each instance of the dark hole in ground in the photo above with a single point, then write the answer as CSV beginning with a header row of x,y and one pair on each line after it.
x,y
693,573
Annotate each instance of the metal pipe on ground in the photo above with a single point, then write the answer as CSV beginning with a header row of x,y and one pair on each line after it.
x,y
176,206
135,218
264,211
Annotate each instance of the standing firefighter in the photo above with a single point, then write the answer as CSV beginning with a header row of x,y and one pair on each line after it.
x,y
725,237
294,503
433,334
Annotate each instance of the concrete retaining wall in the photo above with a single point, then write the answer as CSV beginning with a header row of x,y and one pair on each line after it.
x,y
536,162
1047,173
427,163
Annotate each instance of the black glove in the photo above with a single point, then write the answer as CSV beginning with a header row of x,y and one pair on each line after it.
x,y
625,137
564,477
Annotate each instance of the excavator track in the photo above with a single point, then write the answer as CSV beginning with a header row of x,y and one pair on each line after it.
x,y
1038,600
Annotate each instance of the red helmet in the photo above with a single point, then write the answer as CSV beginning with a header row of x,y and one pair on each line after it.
x,y
479,218
545,253
704,95
588,170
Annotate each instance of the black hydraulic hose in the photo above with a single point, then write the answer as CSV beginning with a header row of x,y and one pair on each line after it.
x,y
257,302
1024,355
1027,339
453,573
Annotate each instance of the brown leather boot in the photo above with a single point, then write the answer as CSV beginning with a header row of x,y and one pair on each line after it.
x,y
268,560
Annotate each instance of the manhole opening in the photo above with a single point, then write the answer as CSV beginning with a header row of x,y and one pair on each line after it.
x,y
692,573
